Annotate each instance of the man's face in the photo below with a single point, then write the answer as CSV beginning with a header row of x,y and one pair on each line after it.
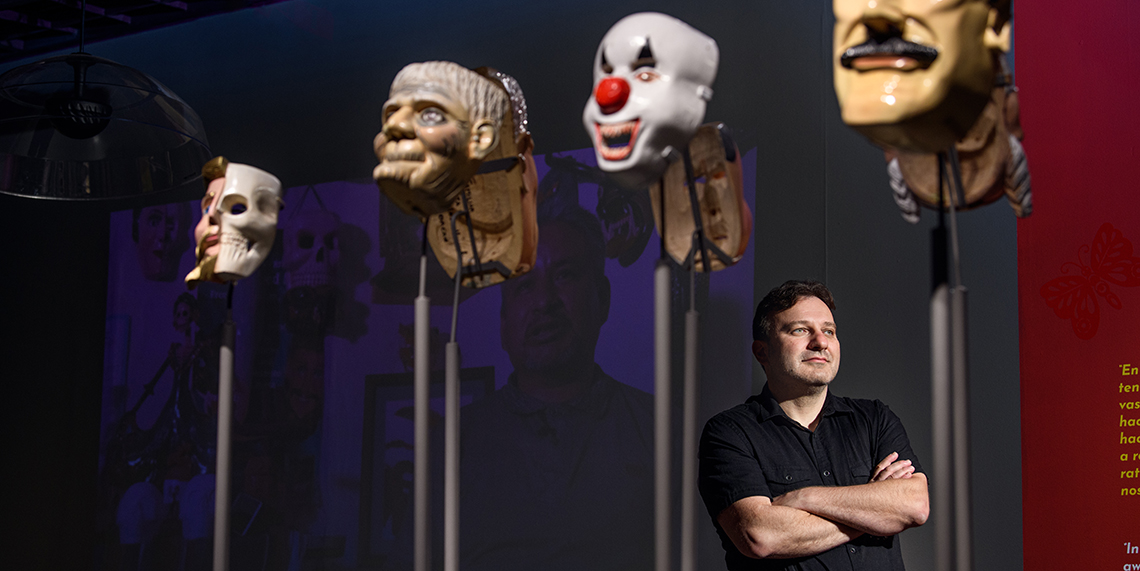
x,y
927,61
183,317
803,349
551,316
652,75
158,248
423,146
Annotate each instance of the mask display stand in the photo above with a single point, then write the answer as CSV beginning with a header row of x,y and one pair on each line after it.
x,y
662,308
663,389
689,408
422,385
950,382
662,399
225,438
451,401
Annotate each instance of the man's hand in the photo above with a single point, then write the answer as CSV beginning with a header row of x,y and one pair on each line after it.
x,y
892,468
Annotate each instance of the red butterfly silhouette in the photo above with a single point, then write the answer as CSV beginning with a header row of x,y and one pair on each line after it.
x,y
1108,260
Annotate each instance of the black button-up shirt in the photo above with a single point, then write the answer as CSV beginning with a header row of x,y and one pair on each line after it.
x,y
754,449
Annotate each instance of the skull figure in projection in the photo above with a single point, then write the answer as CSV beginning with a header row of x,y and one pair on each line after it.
x,y
916,74
653,76
239,221
312,249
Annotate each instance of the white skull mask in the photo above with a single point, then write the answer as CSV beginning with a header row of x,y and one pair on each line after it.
x,y
652,79
249,204
312,249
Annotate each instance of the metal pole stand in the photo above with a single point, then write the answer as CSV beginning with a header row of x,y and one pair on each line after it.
x,y
689,406
950,384
222,467
451,400
422,380
662,397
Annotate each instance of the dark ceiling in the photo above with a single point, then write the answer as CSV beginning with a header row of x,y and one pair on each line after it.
x,y
33,27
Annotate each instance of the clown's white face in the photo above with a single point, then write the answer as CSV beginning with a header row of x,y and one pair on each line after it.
x,y
652,78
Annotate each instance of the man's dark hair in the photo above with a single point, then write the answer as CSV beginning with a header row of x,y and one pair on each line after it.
x,y
782,298
187,299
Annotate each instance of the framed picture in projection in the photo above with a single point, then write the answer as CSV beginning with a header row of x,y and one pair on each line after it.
x,y
387,461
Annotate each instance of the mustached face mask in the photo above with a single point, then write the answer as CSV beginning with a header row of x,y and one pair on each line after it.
x,y
653,77
915,74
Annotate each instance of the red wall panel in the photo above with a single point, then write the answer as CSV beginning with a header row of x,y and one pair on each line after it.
x,y
1078,67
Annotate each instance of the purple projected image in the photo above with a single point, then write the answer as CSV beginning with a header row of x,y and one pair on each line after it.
x,y
557,424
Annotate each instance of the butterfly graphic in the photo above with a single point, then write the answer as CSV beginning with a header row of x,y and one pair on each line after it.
x,y
1108,260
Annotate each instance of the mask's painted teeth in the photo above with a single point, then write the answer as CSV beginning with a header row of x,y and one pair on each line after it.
x,y
615,140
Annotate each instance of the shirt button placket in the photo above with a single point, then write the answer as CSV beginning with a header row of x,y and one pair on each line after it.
x,y
823,464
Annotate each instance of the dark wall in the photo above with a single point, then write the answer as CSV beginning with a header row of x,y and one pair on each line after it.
x,y
295,88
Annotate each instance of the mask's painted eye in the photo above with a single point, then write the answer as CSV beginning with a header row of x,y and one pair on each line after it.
x,y
647,76
237,208
432,116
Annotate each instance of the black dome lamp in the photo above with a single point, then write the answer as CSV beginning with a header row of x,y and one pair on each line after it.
x,y
80,127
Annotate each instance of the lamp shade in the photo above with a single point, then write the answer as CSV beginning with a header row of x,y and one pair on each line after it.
x,y
79,127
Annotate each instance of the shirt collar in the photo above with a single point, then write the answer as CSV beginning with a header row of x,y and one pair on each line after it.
x,y
769,408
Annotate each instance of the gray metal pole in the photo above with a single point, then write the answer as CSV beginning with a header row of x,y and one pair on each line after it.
x,y
689,441
960,388
225,439
421,395
451,460
960,382
662,402
950,387
942,416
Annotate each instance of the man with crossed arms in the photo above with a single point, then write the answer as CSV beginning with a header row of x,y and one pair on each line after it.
x,y
796,477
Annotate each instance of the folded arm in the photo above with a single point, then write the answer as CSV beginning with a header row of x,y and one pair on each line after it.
x,y
812,520
762,530
881,508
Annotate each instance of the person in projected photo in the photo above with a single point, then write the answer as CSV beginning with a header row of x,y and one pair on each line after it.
x,y
161,236
557,466
796,477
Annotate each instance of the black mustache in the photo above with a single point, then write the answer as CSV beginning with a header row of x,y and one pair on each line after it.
x,y
893,46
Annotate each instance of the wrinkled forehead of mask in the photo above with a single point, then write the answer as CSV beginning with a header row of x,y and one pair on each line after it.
x,y
668,45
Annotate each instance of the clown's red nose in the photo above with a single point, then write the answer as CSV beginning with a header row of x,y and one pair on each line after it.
x,y
611,94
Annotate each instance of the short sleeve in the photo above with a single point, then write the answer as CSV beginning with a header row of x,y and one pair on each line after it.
x,y
890,436
729,470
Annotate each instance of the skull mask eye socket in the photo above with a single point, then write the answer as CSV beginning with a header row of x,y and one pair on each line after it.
x,y
266,200
234,204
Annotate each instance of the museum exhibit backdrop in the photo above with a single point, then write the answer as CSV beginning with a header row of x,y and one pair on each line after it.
x,y
295,88
323,399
